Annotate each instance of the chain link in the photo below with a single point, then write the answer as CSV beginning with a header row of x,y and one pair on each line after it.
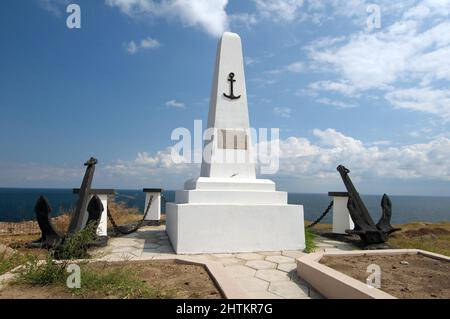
x,y
120,230
325,213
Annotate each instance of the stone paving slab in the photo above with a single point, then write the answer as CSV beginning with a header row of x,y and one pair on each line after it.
x,y
280,259
269,253
287,267
249,256
253,284
272,275
240,271
289,289
261,264
293,253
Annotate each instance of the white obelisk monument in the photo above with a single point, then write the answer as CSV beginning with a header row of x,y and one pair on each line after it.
x,y
227,209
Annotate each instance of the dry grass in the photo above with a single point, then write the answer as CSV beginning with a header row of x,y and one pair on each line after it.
x,y
122,214
150,279
434,237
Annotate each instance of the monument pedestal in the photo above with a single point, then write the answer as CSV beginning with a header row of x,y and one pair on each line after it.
x,y
226,215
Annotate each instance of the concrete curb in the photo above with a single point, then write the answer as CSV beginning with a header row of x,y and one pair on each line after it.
x,y
227,286
336,285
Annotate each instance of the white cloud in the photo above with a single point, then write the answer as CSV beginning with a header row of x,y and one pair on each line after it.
x,y
145,44
295,67
338,104
284,10
401,52
210,15
175,104
339,87
318,158
411,52
159,166
55,7
284,112
302,158
422,99
242,19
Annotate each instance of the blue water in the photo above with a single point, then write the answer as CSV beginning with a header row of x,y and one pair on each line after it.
x,y
18,204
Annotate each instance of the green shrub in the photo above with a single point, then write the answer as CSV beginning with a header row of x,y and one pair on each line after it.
x,y
76,246
309,241
9,261
43,273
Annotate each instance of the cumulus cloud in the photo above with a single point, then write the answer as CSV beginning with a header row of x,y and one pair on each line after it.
x,y
405,57
145,44
336,103
422,99
284,10
209,15
295,67
318,157
284,112
302,158
175,104
330,86
55,7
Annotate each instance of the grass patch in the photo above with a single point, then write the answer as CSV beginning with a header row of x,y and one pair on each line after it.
x,y
44,273
104,281
119,282
434,237
10,261
100,280
310,245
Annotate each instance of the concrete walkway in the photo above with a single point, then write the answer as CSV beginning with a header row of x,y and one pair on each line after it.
x,y
261,275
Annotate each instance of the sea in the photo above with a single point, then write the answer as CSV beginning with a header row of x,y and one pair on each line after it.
x,y
17,204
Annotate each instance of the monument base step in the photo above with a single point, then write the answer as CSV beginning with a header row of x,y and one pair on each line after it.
x,y
230,197
216,183
228,228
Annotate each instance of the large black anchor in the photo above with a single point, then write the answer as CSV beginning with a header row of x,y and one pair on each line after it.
x,y
50,236
231,96
365,227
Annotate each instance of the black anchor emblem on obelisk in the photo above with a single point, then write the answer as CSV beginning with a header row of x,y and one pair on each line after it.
x,y
231,80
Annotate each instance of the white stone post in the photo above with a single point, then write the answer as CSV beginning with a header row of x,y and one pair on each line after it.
x,y
102,229
341,215
155,209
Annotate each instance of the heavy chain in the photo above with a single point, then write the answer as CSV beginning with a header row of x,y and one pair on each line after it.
x,y
120,229
325,213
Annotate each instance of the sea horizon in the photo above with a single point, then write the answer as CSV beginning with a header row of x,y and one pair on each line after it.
x,y
16,204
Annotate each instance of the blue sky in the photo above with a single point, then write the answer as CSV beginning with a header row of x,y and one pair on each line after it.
x,y
377,101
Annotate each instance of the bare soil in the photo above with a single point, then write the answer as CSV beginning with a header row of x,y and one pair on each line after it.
x,y
403,276
174,280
